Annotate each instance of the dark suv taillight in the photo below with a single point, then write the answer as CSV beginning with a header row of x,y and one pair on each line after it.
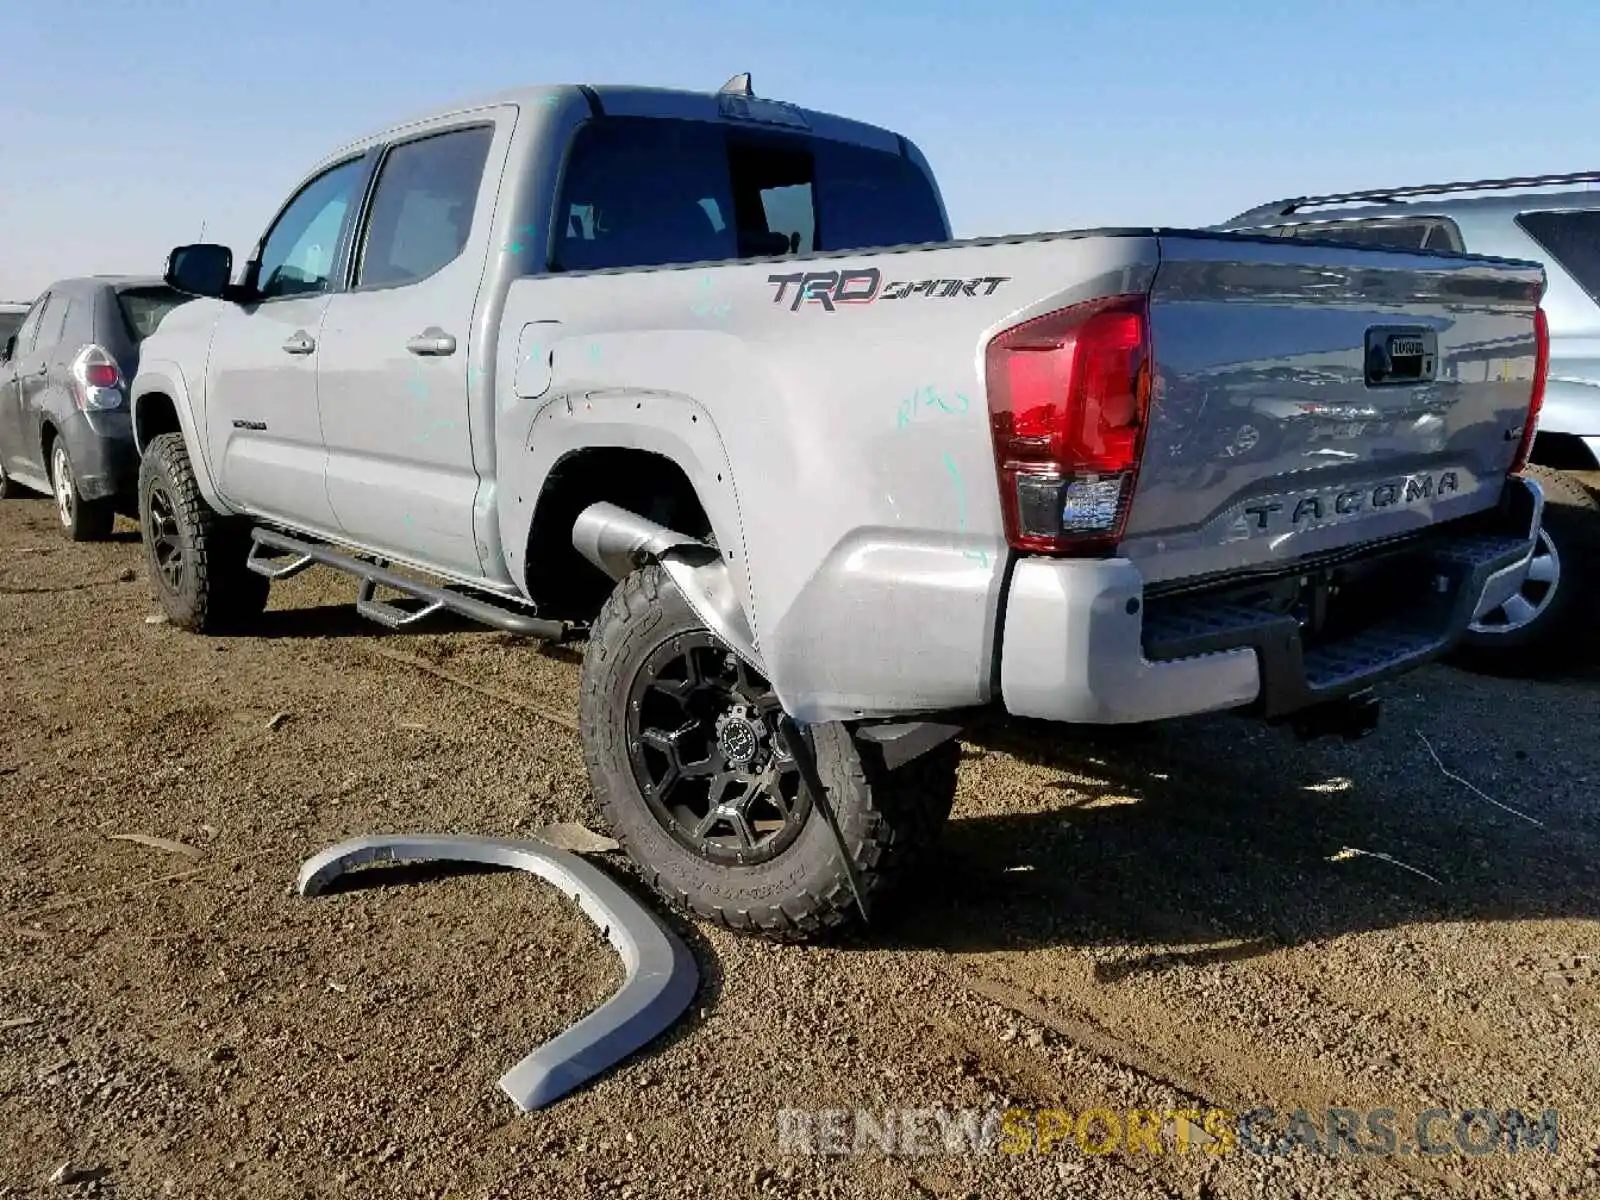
x,y
97,379
1068,396
1541,368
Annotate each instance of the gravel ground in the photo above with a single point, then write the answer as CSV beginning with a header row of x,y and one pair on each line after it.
x,y
1205,915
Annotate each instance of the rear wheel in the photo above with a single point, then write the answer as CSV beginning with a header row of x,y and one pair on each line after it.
x,y
681,741
1551,617
83,520
196,556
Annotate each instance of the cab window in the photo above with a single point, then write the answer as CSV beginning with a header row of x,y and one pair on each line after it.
x,y
646,191
53,322
297,255
422,208
30,327
1572,238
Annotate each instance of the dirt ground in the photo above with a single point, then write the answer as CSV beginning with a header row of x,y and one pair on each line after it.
x,y
1206,915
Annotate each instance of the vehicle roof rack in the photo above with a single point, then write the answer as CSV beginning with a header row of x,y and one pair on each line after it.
x,y
739,85
1283,208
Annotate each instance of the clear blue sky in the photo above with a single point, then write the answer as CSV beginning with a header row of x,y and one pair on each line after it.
x,y
128,122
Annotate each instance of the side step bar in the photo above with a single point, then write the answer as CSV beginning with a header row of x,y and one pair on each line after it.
x,y
373,575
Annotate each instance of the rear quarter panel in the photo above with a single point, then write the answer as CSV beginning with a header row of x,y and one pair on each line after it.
x,y
838,439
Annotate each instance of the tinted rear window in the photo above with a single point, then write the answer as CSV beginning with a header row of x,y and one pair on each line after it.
x,y
9,324
868,198
642,192
1572,238
1407,233
144,307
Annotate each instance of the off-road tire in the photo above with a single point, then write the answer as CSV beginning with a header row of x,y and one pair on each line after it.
x,y
889,819
1565,628
215,592
82,520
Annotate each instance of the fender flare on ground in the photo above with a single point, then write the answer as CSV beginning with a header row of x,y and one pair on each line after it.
x,y
661,976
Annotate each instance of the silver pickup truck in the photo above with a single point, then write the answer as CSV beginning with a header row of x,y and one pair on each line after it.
x,y
701,377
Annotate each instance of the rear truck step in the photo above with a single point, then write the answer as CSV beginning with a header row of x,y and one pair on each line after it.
x,y
1088,640
1323,636
279,556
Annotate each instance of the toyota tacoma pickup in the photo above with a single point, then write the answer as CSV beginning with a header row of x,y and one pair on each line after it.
x,y
703,379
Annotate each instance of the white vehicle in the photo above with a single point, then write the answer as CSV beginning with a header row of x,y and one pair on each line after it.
x,y
703,376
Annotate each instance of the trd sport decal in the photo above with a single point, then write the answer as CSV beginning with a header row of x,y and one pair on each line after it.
x,y
865,285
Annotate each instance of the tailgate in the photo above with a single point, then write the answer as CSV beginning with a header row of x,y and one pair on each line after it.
x,y
1309,398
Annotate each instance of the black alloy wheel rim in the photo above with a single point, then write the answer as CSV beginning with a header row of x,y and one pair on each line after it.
x,y
703,743
166,544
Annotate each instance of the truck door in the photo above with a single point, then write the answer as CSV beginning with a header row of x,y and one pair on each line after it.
x,y
263,431
393,378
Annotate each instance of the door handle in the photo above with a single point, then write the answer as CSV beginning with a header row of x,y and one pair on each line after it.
x,y
300,343
432,341
43,370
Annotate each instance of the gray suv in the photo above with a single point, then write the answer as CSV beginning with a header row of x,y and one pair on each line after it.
x,y
1554,220
64,371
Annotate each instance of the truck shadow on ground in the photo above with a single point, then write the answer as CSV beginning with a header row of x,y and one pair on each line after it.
x,y
342,620
1217,839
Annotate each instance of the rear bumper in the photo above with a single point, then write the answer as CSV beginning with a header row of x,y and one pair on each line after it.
x,y
1083,643
104,457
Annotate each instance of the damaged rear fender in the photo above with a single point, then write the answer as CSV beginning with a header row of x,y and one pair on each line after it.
x,y
619,542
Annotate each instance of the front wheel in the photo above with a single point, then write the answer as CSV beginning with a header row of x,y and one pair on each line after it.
x,y
196,557
681,743
1550,617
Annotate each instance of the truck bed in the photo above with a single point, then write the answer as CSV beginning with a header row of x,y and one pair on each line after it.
x,y
833,410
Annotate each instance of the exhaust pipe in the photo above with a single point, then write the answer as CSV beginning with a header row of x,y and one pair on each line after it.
x,y
620,542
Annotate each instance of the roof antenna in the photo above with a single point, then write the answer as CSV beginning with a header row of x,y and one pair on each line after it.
x,y
739,85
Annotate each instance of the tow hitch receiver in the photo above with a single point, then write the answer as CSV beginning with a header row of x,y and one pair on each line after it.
x,y
1350,717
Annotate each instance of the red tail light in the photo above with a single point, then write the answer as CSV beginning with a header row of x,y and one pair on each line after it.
x,y
1068,396
1541,368
98,379
101,375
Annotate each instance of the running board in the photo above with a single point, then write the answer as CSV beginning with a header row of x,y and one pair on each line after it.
x,y
386,612
276,567
375,575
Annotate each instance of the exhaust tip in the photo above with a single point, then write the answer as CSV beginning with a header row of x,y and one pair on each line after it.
x,y
619,542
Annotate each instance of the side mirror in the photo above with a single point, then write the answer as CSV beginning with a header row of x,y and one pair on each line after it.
x,y
11,345
201,269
